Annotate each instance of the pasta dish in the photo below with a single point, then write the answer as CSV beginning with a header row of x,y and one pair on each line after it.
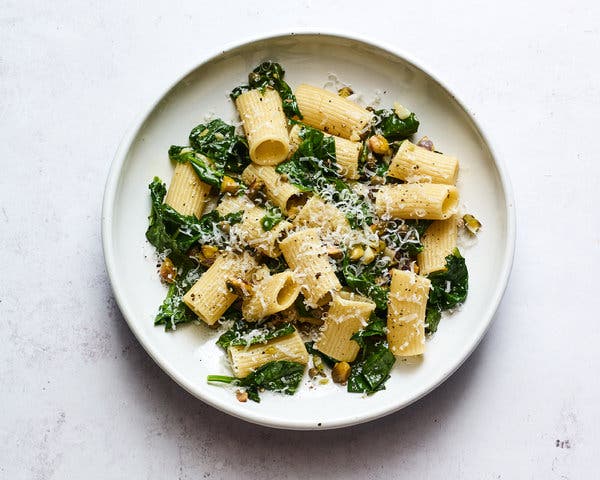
x,y
318,236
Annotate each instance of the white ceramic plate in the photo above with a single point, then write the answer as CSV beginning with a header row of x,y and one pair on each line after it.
x,y
190,354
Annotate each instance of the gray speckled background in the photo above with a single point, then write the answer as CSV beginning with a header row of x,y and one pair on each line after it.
x,y
79,396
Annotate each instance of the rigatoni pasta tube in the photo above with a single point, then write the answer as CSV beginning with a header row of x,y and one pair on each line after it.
x,y
187,192
318,213
233,204
346,152
306,255
244,360
265,125
331,113
430,201
347,314
406,313
209,297
280,191
415,164
270,295
250,231
439,241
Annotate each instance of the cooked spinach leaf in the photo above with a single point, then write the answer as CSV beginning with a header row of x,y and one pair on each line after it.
x,y
217,140
202,165
244,334
313,162
174,234
310,348
369,374
432,319
275,265
320,149
271,74
448,288
405,235
363,279
375,361
173,311
312,168
279,376
377,327
157,234
382,169
392,127
356,209
271,218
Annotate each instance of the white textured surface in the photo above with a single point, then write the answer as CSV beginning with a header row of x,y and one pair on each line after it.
x,y
81,399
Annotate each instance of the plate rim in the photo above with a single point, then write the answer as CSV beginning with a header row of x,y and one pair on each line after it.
x,y
112,183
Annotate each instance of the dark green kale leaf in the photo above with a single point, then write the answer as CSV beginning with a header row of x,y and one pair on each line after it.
x,y
377,327
313,162
420,226
319,148
217,140
279,376
313,168
271,74
244,334
369,374
173,310
382,169
375,361
300,174
174,234
405,235
363,279
356,209
272,218
392,127
157,233
448,289
206,170
432,319
275,265
303,310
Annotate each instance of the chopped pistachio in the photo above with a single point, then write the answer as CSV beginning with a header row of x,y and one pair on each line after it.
x,y
341,372
368,256
318,363
379,144
471,223
168,272
377,180
241,395
335,252
378,227
229,185
356,252
209,251
381,246
345,92
324,381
